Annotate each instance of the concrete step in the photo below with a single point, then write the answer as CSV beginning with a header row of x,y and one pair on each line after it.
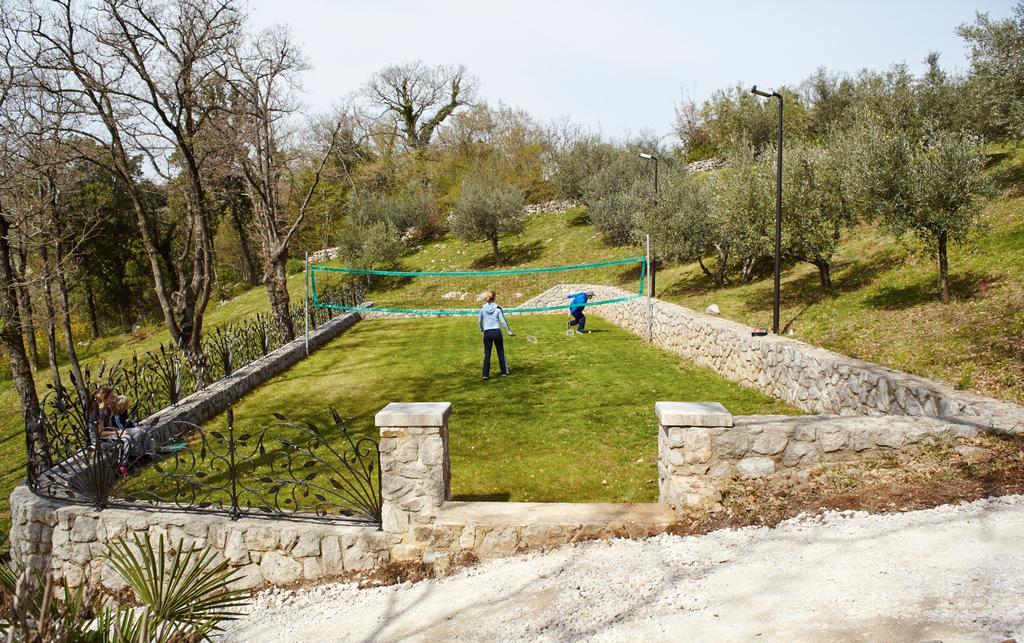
x,y
520,514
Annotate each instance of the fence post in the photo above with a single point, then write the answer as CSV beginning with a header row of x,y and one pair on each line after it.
x,y
305,281
236,511
415,471
650,281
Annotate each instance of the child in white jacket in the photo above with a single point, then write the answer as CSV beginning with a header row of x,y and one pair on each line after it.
x,y
491,319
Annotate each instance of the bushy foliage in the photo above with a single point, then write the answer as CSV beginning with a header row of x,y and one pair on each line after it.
x,y
997,72
182,592
487,208
576,166
615,191
931,187
817,205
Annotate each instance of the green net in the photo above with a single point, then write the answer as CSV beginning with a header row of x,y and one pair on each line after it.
x,y
520,290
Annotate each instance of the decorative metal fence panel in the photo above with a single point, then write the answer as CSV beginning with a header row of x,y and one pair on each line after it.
x,y
288,469
293,469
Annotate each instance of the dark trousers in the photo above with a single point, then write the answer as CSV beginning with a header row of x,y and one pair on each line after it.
x,y
493,338
578,318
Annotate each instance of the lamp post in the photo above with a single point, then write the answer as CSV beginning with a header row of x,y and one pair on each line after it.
x,y
651,157
778,209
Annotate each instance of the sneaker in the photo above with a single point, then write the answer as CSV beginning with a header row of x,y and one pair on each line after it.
x,y
504,374
486,378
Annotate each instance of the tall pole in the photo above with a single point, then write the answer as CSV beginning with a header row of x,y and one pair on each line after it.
x,y
778,211
778,224
305,280
651,257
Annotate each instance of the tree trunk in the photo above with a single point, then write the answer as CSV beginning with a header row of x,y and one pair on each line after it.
x,y
943,268
69,337
494,248
28,325
824,273
10,335
723,265
51,323
248,265
94,325
125,302
276,281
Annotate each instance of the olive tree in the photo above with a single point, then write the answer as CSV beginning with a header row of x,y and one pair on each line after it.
x,y
931,188
744,203
685,226
997,71
816,206
486,208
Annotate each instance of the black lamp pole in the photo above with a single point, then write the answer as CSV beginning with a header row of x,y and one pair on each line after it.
x,y
651,157
778,210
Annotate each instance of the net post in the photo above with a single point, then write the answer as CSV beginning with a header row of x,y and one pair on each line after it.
x,y
650,306
305,281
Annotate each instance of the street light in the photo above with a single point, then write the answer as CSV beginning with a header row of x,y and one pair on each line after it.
x,y
651,157
778,209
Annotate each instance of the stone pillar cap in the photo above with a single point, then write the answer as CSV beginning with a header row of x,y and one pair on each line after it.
x,y
414,414
692,414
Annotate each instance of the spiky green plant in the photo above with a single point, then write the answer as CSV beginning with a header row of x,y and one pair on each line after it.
x,y
184,587
182,593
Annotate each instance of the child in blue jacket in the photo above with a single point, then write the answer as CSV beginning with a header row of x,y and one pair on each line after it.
x,y
576,306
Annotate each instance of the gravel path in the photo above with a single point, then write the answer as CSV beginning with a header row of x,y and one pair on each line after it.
x,y
954,572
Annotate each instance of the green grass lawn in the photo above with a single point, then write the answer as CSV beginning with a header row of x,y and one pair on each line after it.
x,y
573,422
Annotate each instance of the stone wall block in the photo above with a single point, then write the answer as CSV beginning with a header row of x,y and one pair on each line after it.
x,y
832,438
800,454
890,437
771,440
84,529
697,447
755,467
731,443
261,538
279,569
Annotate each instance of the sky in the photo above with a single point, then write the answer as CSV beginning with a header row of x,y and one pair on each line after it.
x,y
616,67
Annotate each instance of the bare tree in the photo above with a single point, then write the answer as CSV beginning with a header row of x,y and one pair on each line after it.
x,y
264,83
420,97
149,75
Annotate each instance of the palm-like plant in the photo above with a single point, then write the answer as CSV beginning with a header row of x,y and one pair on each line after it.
x,y
182,593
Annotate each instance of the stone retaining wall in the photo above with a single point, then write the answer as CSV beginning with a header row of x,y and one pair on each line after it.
x,y
701,445
74,539
811,378
206,404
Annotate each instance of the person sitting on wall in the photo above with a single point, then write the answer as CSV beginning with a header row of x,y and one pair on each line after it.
x,y
113,422
576,306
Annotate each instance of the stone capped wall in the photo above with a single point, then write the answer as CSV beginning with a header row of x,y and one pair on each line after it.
x,y
74,539
808,377
695,456
415,470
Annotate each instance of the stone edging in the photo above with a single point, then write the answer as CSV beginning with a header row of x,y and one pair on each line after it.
x,y
206,404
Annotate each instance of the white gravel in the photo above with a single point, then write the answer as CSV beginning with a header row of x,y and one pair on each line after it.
x,y
951,573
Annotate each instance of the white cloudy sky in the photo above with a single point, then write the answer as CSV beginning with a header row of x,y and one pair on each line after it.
x,y
619,67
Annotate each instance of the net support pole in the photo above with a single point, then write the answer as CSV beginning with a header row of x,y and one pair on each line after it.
x,y
650,306
305,281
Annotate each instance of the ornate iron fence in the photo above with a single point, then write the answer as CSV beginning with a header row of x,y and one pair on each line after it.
x,y
68,459
288,469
